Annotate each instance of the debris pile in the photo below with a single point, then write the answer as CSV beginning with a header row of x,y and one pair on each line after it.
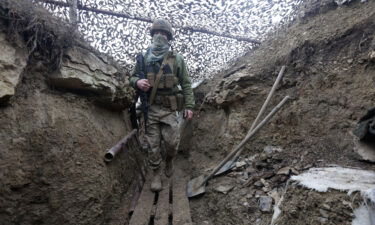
x,y
278,194
262,175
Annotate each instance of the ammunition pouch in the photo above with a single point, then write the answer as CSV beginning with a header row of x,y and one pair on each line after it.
x,y
173,102
166,80
170,81
180,101
151,79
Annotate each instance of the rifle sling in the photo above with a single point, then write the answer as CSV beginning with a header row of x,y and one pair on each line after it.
x,y
157,79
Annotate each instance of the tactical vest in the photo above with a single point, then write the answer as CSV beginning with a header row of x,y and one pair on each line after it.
x,y
167,93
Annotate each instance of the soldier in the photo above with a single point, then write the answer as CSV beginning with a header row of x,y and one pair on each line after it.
x,y
163,76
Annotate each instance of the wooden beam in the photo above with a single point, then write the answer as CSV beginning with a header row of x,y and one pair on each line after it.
x,y
148,20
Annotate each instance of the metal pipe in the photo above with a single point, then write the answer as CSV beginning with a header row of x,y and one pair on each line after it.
x,y
111,153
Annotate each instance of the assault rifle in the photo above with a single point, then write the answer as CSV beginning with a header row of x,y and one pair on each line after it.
x,y
143,95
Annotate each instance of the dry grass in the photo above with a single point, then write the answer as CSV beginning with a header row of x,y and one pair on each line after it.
x,y
45,36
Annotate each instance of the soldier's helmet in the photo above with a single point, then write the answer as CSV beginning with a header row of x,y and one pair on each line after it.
x,y
164,25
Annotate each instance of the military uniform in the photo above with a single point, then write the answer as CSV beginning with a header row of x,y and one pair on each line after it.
x,y
168,75
162,118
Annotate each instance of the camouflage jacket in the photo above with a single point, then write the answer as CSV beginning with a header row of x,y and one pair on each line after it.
x,y
180,71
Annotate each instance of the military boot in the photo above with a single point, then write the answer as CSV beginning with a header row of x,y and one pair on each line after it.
x,y
156,185
168,166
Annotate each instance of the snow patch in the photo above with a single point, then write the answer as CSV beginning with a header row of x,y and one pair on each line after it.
x,y
364,215
344,179
339,178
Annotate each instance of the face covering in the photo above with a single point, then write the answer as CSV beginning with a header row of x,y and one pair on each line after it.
x,y
158,48
160,41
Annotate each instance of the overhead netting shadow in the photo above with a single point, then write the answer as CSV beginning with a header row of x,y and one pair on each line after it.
x,y
209,34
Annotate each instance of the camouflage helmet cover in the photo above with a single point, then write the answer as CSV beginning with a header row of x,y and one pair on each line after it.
x,y
164,25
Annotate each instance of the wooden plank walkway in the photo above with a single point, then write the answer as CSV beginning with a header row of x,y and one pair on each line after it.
x,y
181,208
162,208
171,202
142,212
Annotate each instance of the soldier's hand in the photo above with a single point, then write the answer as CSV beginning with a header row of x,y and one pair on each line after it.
x,y
188,114
143,84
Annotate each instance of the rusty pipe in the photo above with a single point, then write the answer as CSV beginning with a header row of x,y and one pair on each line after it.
x,y
111,153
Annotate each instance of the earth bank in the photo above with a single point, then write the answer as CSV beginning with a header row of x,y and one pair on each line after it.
x,y
61,109
63,104
328,52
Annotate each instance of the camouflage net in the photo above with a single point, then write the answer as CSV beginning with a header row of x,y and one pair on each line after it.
x,y
206,54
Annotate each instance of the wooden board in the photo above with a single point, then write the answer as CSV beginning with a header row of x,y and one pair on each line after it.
x,y
181,208
142,212
162,208
146,212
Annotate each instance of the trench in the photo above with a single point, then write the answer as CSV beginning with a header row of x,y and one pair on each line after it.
x,y
53,140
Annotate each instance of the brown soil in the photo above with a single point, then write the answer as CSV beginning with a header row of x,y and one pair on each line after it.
x,y
331,81
52,167
52,142
310,207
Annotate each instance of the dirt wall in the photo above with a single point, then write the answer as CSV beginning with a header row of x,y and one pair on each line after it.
x,y
330,77
52,147
53,137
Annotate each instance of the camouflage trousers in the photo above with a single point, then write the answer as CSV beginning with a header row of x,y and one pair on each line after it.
x,y
162,127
